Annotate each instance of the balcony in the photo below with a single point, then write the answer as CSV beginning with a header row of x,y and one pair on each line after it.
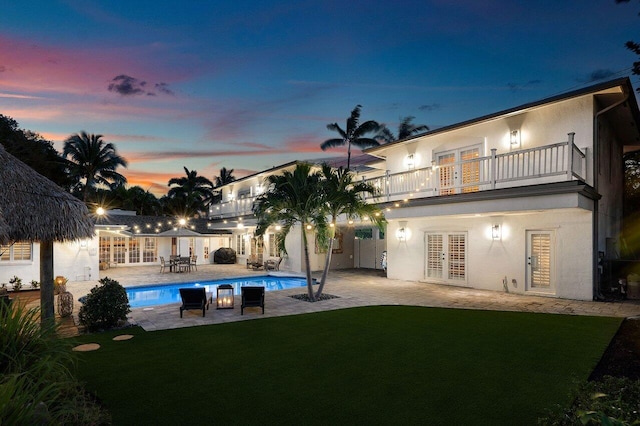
x,y
550,163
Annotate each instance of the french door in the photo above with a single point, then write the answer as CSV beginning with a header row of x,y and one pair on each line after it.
x,y
458,170
540,261
446,257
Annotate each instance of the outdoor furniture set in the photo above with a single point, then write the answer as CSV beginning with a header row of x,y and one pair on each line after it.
x,y
179,264
198,299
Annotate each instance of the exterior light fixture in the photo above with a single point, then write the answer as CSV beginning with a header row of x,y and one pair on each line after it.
x,y
514,138
224,297
182,221
278,227
100,211
309,227
240,226
402,234
410,162
496,232
84,244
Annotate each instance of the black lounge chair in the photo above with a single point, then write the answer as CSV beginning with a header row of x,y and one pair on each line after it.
x,y
252,297
193,298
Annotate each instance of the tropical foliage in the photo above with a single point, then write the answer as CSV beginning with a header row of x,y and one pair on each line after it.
x,y
33,150
405,129
192,193
105,306
37,385
344,197
226,176
92,162
353,134
292,199
314,201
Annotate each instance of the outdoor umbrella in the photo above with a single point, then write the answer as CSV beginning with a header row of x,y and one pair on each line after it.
x,y
33,208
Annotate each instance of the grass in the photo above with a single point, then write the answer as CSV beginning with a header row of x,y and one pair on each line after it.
x,y
372,365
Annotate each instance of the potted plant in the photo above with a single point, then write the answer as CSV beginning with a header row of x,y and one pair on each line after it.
x,y
35,284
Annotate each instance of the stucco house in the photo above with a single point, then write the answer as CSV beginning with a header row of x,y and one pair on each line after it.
x,y
526,200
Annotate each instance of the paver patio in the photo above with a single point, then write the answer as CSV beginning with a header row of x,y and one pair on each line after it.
x,y
354,287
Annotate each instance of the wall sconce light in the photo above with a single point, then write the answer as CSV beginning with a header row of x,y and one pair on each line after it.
x,y
410,162
309,227
84,244
496,233
278,227
514,138
402,234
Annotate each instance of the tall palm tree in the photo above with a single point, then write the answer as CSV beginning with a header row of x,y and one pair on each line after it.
x,y
226,176
292,198
93,161
342,196
405,129
192,190
353,134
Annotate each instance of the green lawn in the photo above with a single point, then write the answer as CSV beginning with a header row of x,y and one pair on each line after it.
x,y
372,365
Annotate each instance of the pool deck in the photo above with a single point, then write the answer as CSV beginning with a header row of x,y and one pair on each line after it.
x,y
354,287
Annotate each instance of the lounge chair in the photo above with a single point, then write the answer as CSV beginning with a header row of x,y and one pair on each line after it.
x,y
272,264
252,296
193,298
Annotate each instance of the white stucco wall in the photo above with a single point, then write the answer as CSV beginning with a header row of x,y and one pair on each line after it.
x,y
489,261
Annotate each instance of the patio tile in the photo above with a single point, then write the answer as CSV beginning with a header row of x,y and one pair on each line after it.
x,y
354,287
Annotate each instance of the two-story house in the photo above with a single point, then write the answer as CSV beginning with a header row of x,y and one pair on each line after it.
x,y
526,200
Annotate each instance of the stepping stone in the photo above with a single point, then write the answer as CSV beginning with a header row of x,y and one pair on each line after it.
x,y
123,337
87,347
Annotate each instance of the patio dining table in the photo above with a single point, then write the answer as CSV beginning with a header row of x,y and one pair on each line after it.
x,y
179,264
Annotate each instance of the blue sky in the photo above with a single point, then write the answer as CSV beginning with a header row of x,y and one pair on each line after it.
x,y
251,84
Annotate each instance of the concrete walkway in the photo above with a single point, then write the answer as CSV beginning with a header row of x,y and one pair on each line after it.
x,y
354,287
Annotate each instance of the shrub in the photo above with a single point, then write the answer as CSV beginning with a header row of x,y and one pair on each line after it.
x,y
17,283
35,284
37,385
613,401
105,306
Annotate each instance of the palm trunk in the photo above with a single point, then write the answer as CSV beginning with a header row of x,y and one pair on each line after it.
x,y
46,282
349,156
327,263
307,264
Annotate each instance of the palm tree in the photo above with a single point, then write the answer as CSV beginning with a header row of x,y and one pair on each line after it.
x,y
192,191
293,199
353,135
92,160
226,176
341,196
405,129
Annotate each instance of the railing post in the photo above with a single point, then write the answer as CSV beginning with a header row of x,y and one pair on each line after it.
x,y
493,164
570,147
386,185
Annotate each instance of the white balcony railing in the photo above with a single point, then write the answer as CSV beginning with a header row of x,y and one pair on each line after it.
x,y
550,163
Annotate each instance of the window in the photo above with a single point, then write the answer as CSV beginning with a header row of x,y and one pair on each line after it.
x,y
240,244
273,246
150,253
364,233
19,251
134,250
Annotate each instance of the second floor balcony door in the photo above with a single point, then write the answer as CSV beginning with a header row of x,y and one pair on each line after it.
x,y
457,170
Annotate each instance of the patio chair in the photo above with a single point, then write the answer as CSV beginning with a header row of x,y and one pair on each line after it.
x,y
184,264
162,264
193,263
193,298
272,264
252,296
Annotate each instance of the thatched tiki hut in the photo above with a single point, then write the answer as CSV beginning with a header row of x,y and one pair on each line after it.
x,y
35,209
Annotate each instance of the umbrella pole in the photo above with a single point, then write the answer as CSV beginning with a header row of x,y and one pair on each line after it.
x,y
46,282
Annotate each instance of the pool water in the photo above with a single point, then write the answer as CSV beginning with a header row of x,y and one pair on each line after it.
x,y
163,294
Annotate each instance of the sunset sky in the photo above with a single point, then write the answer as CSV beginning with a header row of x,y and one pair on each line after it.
x,y
250,84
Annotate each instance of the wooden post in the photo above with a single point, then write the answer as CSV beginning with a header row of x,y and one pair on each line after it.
x,y
46,282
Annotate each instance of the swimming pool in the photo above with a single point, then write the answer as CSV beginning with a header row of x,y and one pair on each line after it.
x,y
162,294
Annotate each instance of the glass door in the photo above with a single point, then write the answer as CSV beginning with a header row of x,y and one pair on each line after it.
x,y
446,257
540,262
459,170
